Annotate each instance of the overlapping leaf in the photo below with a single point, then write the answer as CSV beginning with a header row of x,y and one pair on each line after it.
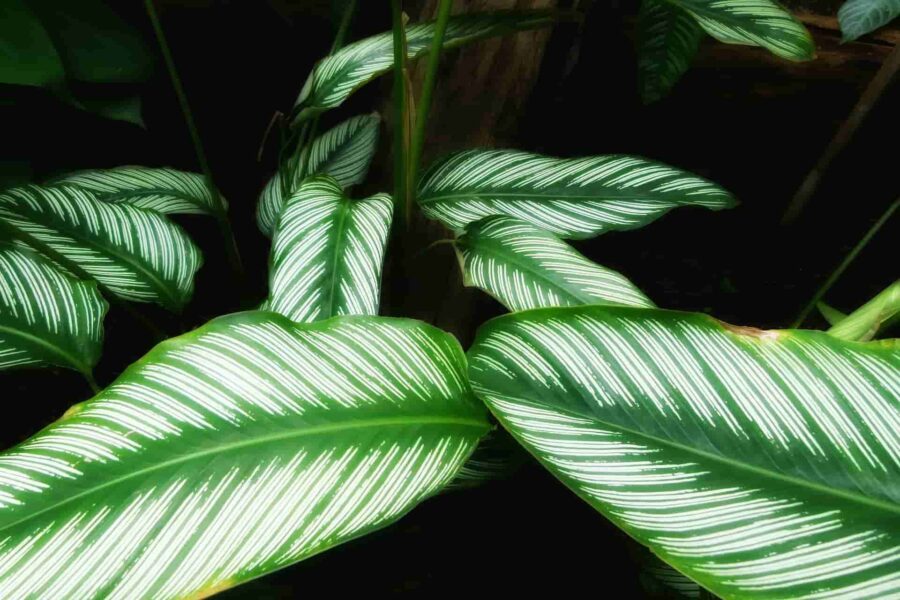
x,y
863,323
136,254
859,17
759,463
761,23
46,317
525,267
327,253
232,451
573,198
343,152
337,76
163,190
668,38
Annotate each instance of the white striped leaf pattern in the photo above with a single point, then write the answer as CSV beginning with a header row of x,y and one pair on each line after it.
x,y
862,324
231,451
338,75
344,152
859,17
525,267
668,38
137,254
759,463
46,316
163,190
572,198
327,253
763,23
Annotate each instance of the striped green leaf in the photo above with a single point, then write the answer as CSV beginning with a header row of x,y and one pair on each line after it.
x,y
338,75
763,23
525,267
231,451
572,198
343,152
862,324
163,190
327,253
134,253
668,38
47,317
859,17
762,464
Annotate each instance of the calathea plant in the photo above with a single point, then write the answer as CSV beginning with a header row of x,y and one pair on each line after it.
x,y
757,463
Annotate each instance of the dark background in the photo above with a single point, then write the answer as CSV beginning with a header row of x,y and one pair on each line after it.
x,y
751,123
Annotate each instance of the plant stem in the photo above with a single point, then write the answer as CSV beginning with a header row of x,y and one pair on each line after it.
x,y
400,111
92,383
434,57
231,250
846,262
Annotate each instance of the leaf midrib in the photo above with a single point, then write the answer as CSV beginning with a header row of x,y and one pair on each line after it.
x,y
340,230
122,195
550,195
68,357
225,448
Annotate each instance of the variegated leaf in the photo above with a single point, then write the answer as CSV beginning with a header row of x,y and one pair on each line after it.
x,y
859,17
343,152
862,324
761,464
137,254
338,75
231,451
525,267
327,253
668,38
163,190
572,198
47,317
763,23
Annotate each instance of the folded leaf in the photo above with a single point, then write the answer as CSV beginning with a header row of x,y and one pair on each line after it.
x,y
327,253
761,23
47,317
525,267
863,323
859,17
136,254
343,152
231,451
760,463
338,75
571,197
163,190
668,38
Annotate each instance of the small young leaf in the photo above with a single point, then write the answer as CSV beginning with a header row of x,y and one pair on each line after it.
x,y
863,323
832,315
327,253
47,317
859,17
668,38
570,197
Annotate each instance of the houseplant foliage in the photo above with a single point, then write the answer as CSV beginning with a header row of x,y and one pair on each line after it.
x,y
757,463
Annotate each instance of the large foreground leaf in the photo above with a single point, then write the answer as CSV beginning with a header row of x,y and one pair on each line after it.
x,y
327,253
759,463
574,198
668,38
752,22
859,17
337,76
46,317
136,254
162,189
343,152
863,323
525,267
231,451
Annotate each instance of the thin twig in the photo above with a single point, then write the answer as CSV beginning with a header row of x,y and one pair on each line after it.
x,y
400,110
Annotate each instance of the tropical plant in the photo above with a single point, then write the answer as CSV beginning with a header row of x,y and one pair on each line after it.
x,y
746,463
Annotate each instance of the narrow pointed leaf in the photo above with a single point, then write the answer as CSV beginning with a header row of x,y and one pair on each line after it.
x,y
863,323
668,38
163,190
763,23
47,317
573,198
327,253
337,76
136,254
859,17
231,451
525,267
761,464
343,152
831,314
